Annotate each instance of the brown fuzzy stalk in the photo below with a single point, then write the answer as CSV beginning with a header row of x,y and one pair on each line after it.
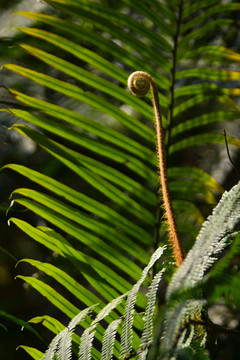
x,y
139,84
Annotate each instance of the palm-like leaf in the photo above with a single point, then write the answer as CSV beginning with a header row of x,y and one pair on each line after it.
x,y
115,230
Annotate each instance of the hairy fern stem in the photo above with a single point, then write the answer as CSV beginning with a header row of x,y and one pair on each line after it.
x,y
139,84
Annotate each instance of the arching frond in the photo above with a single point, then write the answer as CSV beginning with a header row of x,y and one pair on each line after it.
x,y
126,339
210,243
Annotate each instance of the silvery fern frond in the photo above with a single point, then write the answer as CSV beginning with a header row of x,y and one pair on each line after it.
x,y
108,340
61,343
88,335
151,302
86,344
147,335
126,338
65,344
53,347
211,241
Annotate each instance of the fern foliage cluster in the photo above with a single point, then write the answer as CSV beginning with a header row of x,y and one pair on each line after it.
x,y
106,227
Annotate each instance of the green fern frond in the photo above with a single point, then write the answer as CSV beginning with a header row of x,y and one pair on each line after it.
x,y
104,224
34,353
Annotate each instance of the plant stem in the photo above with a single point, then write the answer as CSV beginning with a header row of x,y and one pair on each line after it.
x,y
173,72
139,84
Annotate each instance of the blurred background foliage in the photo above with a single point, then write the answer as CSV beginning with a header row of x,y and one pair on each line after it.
x,y
16,299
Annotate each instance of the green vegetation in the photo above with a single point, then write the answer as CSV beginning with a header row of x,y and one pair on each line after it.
x,y
105,259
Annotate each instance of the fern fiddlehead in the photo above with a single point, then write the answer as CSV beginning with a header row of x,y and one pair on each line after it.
x,y
139,84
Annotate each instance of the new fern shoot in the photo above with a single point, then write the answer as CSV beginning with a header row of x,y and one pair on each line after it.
x,y
139,84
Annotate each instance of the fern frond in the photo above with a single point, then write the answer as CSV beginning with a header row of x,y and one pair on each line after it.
x,y
108,340
173,340
34,353
148,315
126,338
112,217
53,347
211,241
88,335
225,261
185,340
86,344
61,344
223,280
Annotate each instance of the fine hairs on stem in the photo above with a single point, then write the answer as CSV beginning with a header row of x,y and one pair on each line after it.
x,y
139,84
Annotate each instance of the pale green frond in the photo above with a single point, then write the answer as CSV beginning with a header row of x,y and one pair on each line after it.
x,y
211,241
61,344
185,339
56,327
126,337
88,335
85,349
147,334
53,347
108,340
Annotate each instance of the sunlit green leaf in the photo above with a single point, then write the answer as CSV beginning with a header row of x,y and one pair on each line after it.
x,y
34,353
